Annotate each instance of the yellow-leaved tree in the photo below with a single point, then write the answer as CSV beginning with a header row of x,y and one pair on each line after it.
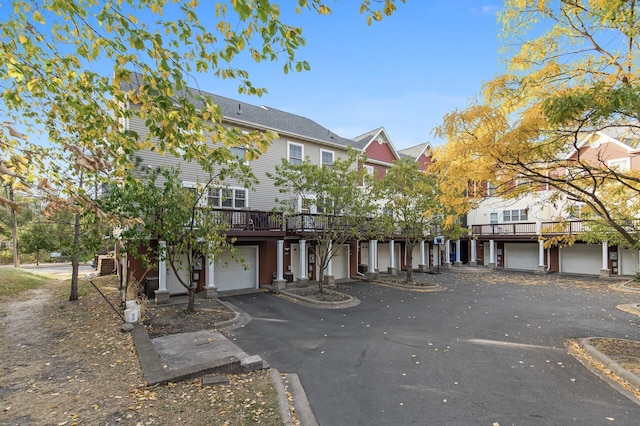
x,y
571,84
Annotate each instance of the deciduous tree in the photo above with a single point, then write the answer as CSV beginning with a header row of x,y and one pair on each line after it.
x,y
328,205
572,70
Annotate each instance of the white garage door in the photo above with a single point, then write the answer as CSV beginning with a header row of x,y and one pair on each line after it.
x,y
173,285
523,256
415,262
340,263
628,261
585,259
364,255
231,275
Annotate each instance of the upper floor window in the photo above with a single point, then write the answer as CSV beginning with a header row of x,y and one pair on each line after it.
x,y
240,153
515,215
620,164
295,153
493,217
326,158
235,198
491,189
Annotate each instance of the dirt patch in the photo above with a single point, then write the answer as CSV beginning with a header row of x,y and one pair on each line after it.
x,y
164,320
325,296
68,363
624,352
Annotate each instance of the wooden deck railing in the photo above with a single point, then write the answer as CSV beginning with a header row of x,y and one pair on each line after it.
x,y
530,228
249,220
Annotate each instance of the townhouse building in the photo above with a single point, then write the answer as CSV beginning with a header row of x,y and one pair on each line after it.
x,y
275,248
509,234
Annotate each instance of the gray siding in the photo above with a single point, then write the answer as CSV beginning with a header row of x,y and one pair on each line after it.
x,y
264,193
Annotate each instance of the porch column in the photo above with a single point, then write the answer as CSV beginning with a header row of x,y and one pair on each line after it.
x,y
210,289
375,255
541,268
605,272
458,259
447,254
435,255
279,283
162,295
371,270
492,254
422,267
392,258
473,261
304,266
328,276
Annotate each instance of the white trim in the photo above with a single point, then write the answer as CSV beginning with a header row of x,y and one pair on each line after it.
x,y
627,161
289,144
333,156
233,190
387,140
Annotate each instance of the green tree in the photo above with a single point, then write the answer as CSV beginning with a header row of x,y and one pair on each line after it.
x,y
52,51
161,209
328,205
36,238
412,196
572,70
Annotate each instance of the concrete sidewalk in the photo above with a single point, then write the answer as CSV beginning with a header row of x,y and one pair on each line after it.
x,y
209,354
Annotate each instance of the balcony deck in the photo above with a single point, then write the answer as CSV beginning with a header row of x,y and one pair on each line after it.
x,y
529,229
249,220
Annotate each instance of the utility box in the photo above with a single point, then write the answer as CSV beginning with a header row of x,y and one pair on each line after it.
x,y
288,277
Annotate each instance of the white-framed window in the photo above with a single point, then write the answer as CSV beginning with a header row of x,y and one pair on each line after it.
x,y
326,158
295,153
231,198
491,189
620,163
493,217
515,215
240,153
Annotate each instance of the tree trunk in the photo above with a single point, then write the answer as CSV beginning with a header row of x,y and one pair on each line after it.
x,y
191,307
409,249
75,258
14,232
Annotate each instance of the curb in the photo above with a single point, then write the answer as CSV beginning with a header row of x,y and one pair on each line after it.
x,y
312,303
283,402
610,364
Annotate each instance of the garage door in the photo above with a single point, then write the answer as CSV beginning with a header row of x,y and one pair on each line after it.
x,y
628,261
173,285
522,256
231,275
585,259
340,263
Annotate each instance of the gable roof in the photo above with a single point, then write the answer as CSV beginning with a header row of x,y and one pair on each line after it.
x,y
363,141
265,118
627,137
414,152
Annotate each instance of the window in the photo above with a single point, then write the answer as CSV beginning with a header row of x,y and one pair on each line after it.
x,y
240,153
491,189
514,215
619,164
235,198
326,158
493,217
295,153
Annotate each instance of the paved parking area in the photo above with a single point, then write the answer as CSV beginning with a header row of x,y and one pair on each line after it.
x,y
487,350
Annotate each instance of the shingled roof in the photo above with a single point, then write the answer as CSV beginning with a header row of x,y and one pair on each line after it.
x,y
266,118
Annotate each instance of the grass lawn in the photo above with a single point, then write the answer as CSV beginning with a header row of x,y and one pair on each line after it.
x,y
14,281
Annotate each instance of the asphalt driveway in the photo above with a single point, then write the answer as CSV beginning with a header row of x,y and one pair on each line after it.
x,y
489,350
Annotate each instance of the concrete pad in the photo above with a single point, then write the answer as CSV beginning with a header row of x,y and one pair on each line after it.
x,y
215,379
183,350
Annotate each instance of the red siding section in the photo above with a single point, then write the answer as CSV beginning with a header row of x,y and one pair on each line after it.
x,y
380,152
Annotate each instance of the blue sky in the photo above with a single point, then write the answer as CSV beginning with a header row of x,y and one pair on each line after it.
x,y
404,73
